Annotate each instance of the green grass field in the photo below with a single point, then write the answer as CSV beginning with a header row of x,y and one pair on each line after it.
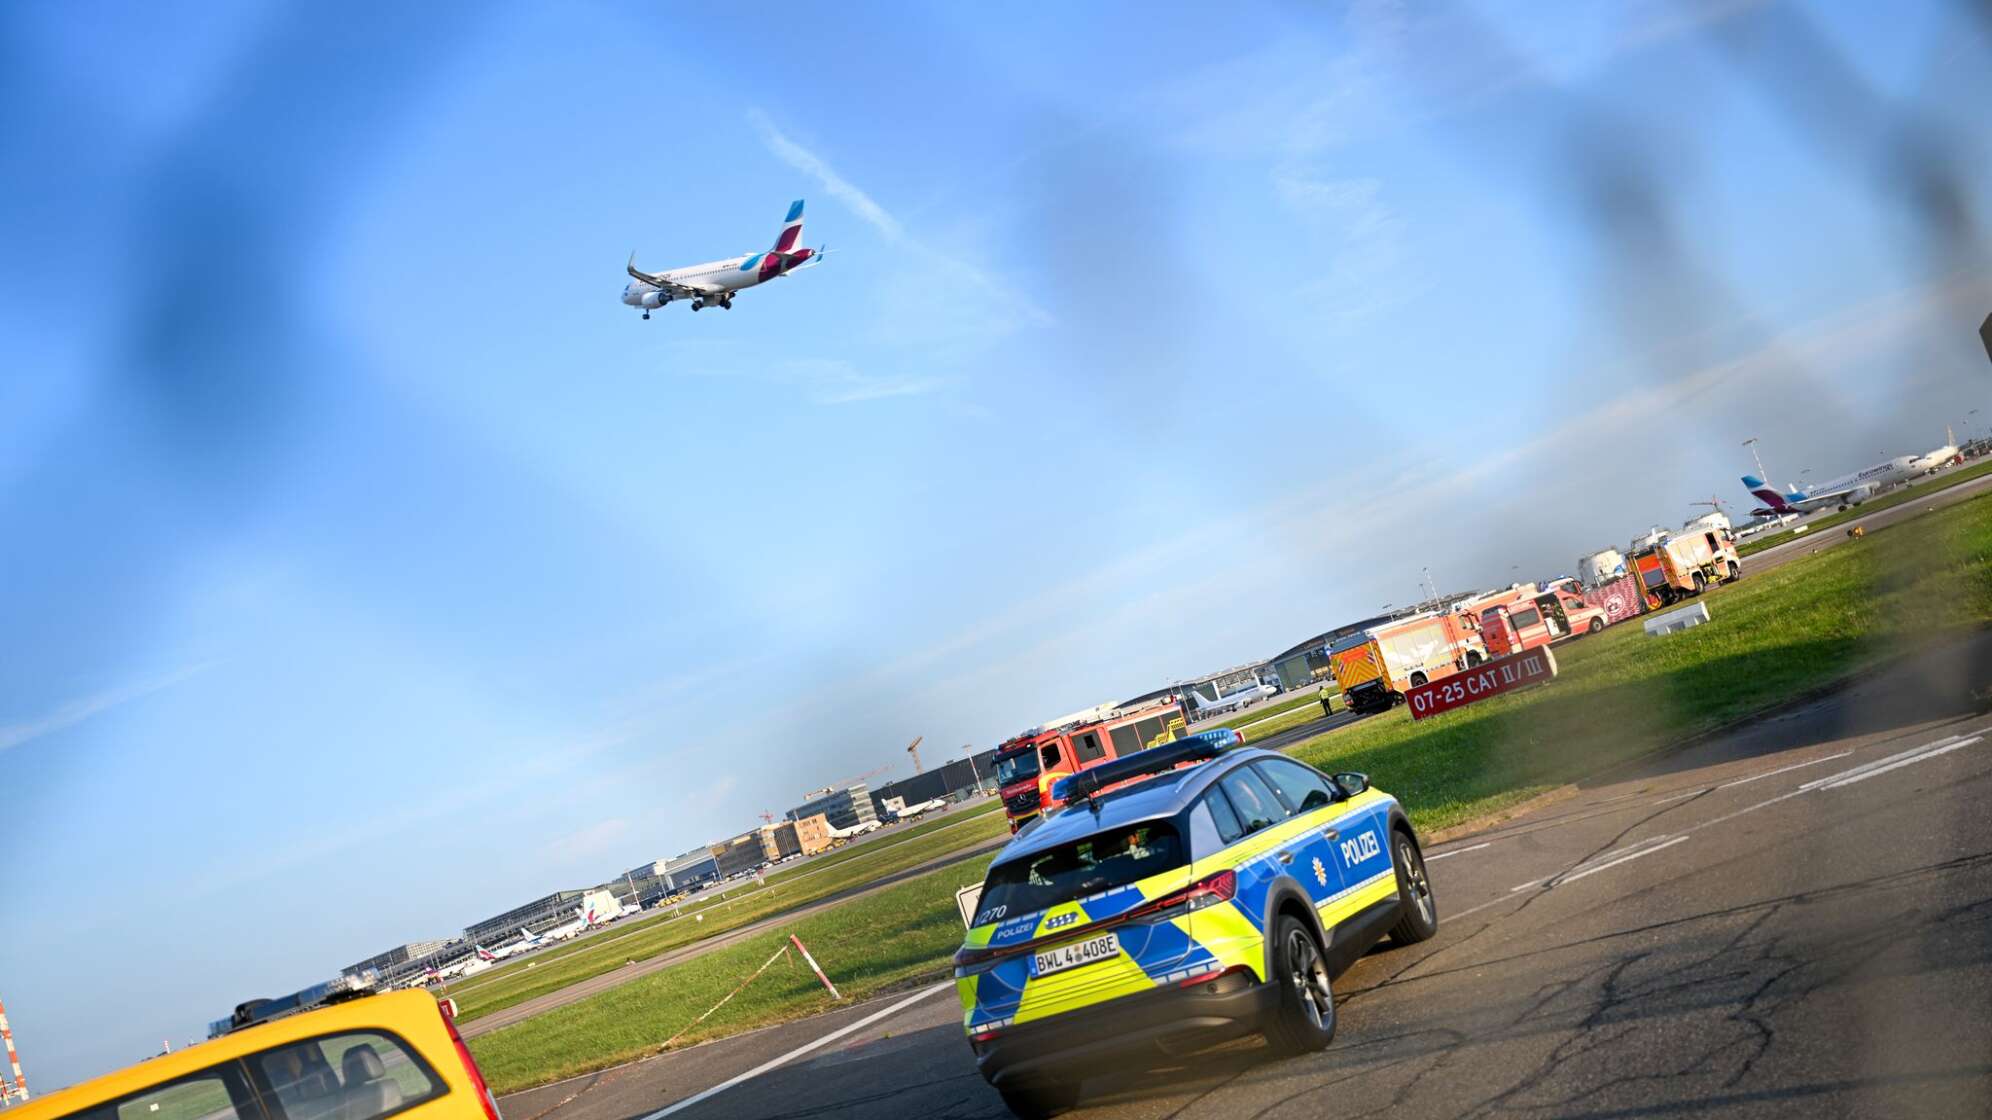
x,y
901,934
1618,695
541,973
898,835
1943,482
1303,700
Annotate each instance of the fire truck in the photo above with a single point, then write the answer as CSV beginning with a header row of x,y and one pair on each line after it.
x,y
1525,623
1685,565
1375,666
1028,764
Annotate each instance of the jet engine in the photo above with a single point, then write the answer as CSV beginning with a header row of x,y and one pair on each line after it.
x,y
654,300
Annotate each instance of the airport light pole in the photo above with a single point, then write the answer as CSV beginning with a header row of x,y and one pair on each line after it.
x,y
969,750
1751,443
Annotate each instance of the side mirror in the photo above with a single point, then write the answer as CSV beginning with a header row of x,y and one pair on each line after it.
x,y
1349,783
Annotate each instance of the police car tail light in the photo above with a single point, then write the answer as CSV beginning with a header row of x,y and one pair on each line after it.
x,y
448,1010
969,962
1208,891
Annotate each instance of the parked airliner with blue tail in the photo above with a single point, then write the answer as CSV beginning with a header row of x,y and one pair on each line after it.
x,y
716,281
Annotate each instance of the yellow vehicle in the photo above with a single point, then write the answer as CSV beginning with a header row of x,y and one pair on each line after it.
x,y
352,1056
1375,667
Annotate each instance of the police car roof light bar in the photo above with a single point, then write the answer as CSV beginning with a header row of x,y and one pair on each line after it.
x,y
1155,760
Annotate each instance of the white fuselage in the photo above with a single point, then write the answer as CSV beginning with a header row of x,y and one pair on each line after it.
x,y
718,276
1935,460
1902,468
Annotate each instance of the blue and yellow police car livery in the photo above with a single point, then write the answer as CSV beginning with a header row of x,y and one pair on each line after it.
x,y
1187,894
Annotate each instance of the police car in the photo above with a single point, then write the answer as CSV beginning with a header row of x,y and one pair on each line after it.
x,y
1185,895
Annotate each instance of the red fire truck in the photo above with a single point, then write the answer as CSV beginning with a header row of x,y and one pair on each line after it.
x,y
1028,764
1509,628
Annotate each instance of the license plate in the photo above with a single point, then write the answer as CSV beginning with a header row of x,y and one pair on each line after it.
x,y
1076,954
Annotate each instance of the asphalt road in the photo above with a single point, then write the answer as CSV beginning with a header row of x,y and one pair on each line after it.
x,y
1793,919
1759,562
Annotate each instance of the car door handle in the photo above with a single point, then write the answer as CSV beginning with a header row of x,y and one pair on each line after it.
x,y
1330,834
1286,856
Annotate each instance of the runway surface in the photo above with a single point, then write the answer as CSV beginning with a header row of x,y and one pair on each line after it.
x,y
1794,918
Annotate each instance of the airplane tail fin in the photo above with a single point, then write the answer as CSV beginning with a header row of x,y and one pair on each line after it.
x,y
791,235
1765,493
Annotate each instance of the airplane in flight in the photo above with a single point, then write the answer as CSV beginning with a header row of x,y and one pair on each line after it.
x,y
1847,490
1258,690
715,281
1941,457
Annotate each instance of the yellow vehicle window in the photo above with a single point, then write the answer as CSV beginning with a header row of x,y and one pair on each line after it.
x,y
212,1094
358,1076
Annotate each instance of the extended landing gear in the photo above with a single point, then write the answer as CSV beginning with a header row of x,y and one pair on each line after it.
x,y
646,314
698,305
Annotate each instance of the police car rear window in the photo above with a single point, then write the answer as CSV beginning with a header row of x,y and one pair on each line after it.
x,y
1110,858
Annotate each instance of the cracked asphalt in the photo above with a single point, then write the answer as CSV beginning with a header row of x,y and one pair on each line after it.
x,y
1792,919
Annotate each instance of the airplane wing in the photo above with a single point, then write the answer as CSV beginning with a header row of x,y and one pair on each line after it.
x,y
678,289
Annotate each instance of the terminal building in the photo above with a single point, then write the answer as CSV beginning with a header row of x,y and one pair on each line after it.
x,y
952,781
740,854
541,913
392,962
843,807
692,869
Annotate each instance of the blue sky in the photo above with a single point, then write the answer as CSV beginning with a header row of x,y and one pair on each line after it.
x,y
372,569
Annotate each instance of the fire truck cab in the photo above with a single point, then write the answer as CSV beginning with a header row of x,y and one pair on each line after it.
x,y
1028,765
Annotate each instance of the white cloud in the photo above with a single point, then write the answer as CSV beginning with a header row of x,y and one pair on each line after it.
x,y
838,187
1011,306
83,708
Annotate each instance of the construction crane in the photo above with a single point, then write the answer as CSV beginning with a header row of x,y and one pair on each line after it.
x,y
1714,503
865,777
913,748
767,817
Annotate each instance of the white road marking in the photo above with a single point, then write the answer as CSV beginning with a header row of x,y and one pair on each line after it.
x,y
1678,796
1926,755
1615,856
1593,870
1910,754
1781,770
1457,851
799,1051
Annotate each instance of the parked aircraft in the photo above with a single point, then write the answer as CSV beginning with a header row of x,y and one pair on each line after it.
x,y
1258,690
923,807
1847,490
1940,458
527,940
584,919
716,281
858,829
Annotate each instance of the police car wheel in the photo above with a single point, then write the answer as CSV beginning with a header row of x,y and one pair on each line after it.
x,y
1304,1021
1418,914
1030,1102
